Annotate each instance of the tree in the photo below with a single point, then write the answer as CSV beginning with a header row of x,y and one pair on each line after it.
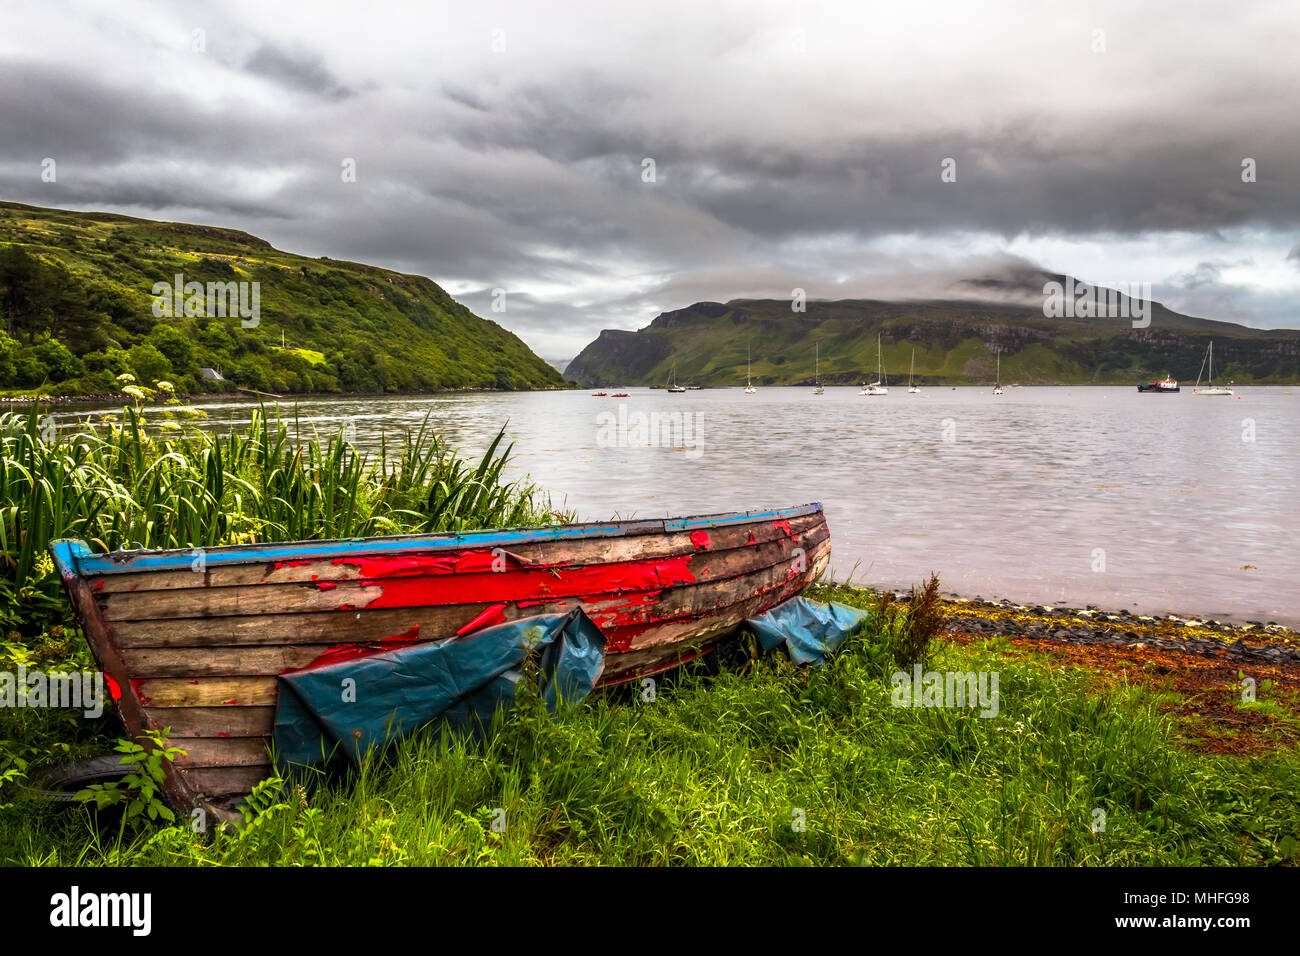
x,y
58,360
26,293
112,360
149,364
174,344
8,354
43,298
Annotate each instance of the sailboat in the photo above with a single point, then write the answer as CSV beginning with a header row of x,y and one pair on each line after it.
x,y
878,387
997,384
912,389
1210,387
749,385
674,388
817,376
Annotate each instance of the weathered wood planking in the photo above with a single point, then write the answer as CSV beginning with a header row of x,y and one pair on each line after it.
x,y
543,554
216,788
198,650
417,590
376,624
213,721
249,680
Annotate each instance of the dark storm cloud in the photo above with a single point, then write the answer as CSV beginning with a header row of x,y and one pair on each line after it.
x,y
792,148
299,71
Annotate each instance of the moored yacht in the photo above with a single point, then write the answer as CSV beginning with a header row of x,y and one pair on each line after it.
x,y
879,386
1210,388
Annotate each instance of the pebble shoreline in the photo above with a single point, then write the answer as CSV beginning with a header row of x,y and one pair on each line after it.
x,y
1269,642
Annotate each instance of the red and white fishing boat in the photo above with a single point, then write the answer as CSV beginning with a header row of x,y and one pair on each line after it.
x,y
1161,385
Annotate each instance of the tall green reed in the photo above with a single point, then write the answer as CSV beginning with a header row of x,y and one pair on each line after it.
x,y
119,484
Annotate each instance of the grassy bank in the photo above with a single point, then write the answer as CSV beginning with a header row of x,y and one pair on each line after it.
x,y
767,763
754,762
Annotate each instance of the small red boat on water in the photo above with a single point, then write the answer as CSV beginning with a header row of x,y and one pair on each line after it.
x,y
1162,385
197,645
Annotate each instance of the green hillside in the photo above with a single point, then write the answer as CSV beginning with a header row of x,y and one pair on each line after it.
x,y
77,310
955,342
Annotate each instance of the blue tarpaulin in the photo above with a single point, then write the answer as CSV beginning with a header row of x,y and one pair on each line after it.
x,y
808,629
356,705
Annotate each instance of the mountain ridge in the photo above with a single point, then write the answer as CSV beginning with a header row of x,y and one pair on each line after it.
x,y
956,341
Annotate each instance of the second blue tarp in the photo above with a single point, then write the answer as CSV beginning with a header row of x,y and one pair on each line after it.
x,y
809,629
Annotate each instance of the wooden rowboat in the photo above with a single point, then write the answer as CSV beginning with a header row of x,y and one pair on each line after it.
x,y
193,639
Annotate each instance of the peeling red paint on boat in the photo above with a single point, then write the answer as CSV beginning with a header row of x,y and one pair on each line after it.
x,y
324,585
277,565
347,652
137,686
784,526
222,733
489,616
234,701
410,565
114,689
700,539
589,582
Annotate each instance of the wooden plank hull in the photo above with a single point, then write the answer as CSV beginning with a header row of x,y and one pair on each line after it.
x,y
193,640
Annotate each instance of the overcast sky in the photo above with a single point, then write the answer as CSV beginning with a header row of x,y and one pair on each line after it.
x,y
794,144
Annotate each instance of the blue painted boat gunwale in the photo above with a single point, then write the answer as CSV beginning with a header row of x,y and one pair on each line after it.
x,y
74,558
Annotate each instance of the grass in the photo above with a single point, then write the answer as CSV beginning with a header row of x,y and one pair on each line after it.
x,y
115,485
311,355
765,764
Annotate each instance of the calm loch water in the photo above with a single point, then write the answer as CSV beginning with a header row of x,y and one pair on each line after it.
x,y
1074,495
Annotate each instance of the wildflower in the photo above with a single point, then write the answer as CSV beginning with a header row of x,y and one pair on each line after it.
x,y
44,565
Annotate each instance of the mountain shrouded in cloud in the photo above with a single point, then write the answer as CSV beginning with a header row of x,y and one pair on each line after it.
x,y
1103,337
503,147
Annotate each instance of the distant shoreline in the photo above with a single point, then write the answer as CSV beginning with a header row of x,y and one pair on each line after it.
x,y
74,400
123,399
